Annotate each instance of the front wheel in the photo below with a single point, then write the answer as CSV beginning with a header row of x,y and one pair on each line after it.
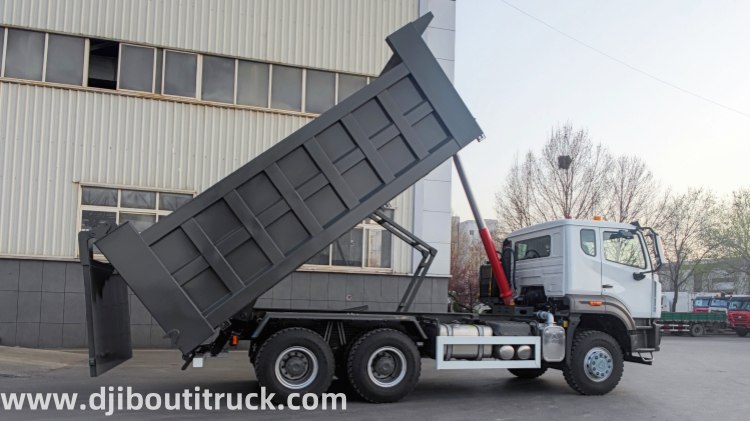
x,y
595,363
741,332
383,365
527,373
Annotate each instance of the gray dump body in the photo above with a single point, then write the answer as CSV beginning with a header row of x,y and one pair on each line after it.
x,y
218,253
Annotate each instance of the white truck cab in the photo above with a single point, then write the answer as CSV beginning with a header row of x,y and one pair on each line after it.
x,y
571,257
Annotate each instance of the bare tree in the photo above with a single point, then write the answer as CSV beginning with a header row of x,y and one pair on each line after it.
x,y
568,179
633,192
543,188
467,255
689,221
733,235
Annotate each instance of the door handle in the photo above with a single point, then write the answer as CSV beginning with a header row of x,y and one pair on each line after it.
x,y
607,286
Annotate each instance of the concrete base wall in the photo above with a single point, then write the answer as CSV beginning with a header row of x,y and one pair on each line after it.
x,y
42,302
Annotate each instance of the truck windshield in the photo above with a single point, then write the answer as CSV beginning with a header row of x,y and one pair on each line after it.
x,y
739,305
716,302
701,302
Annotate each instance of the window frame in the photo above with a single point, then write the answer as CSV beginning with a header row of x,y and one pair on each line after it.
x,y
6,35
158,213
153,68
641,242
580,240
366,226
198,73
159,73
541,256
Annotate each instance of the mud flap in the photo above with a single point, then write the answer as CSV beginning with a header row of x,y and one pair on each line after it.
x,y
107,309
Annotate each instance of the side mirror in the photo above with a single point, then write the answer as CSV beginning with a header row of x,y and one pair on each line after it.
x,y
657,251
639,276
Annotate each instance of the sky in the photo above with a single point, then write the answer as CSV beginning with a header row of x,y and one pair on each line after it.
x,y
521,78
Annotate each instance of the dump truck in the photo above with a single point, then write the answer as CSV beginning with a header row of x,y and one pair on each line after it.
x,y
572,295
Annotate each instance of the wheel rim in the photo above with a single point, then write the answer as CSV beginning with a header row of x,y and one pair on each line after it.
x,y
598,364
296,367
386,366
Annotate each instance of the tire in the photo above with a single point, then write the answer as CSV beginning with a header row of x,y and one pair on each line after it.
x,y
527,373
383,366
697,330
741,332
595,364
294,360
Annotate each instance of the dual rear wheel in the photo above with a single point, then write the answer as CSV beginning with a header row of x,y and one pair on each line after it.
x,y
382,365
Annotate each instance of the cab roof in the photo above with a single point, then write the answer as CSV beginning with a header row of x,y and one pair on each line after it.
x,y
572,222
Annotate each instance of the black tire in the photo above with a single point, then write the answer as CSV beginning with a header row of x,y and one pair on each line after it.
x,y
697,330
397,357
595,363
741,332
311,359
527,373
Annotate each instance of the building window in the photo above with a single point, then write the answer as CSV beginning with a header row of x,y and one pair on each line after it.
x,y
286,92
533,248
320,91
252,83
128,67
368,245
588,241
180,70
65,59
24,58
103,63
625,250
349,84
217,82
136,68
142,208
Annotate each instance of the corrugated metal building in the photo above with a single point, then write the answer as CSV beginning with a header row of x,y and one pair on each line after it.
x,y
121,110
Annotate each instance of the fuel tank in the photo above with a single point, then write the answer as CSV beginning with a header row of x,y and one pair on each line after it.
x,y
466,352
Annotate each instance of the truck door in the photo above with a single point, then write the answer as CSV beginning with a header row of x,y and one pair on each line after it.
x,y
624,254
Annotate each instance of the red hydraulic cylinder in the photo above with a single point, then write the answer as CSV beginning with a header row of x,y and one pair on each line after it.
x,y
484,233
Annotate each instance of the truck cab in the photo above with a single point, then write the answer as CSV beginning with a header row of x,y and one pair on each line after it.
x,y
738,314
580,259
702,304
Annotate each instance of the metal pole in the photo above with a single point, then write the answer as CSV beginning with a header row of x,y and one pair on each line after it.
x,y
484,233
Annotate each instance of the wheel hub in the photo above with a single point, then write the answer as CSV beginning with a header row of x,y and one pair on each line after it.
x,y
296,367
598,364
387,366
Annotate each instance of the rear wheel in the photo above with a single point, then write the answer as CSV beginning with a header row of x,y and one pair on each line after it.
x,y
294,360
383,365
741,331
527,373
595,363
697,330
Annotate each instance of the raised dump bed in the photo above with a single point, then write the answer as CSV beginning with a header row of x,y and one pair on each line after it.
x,y
218,253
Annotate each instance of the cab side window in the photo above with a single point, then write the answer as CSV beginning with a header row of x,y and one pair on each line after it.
x,y
588,241
623,250
533,248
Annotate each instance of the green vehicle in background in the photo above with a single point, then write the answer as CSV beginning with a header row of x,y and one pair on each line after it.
x,y
696,324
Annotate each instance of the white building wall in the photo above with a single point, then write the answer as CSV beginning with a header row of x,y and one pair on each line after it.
x,y
432,195
343,35
53,138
